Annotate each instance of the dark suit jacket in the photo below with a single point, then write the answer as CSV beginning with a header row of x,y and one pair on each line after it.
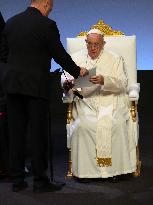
x,y
29,43
2,96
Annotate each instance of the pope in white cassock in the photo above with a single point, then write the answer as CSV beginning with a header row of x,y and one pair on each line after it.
x,y
100,142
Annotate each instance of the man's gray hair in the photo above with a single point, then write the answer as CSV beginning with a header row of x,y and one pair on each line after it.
x,y
36,1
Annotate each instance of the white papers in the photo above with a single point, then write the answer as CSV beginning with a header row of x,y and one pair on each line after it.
x,y
81,82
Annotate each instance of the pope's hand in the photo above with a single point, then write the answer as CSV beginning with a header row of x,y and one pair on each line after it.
x,y
83,72
97,79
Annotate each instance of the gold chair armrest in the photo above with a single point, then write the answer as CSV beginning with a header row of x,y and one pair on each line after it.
x,y
69,113
133,110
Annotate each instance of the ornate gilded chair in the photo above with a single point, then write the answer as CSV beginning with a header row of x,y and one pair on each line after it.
x,y
125,46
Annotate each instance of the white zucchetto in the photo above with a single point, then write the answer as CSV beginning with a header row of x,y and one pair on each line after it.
x,y
97,31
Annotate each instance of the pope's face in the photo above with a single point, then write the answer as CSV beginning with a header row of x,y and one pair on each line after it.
x,y
95,43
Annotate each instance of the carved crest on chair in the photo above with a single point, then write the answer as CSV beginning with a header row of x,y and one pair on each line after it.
x,y
105,28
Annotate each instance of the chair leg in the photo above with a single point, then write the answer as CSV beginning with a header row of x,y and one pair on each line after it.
x,y
69,120
138,165
69,174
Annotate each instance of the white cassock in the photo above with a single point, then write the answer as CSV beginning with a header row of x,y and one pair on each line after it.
x,y
101,141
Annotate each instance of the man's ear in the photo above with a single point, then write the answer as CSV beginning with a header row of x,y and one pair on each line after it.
x,y
45,3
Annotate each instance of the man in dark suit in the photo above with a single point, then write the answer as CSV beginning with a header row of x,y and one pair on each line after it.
x,y
3,123
30,40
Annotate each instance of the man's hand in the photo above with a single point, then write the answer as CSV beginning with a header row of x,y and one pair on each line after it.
x,y
67,85
97,79
83,72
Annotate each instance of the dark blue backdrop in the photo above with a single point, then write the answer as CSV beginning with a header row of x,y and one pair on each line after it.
x,y
130,16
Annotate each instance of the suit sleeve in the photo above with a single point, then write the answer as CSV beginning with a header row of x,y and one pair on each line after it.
x,y
58,52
